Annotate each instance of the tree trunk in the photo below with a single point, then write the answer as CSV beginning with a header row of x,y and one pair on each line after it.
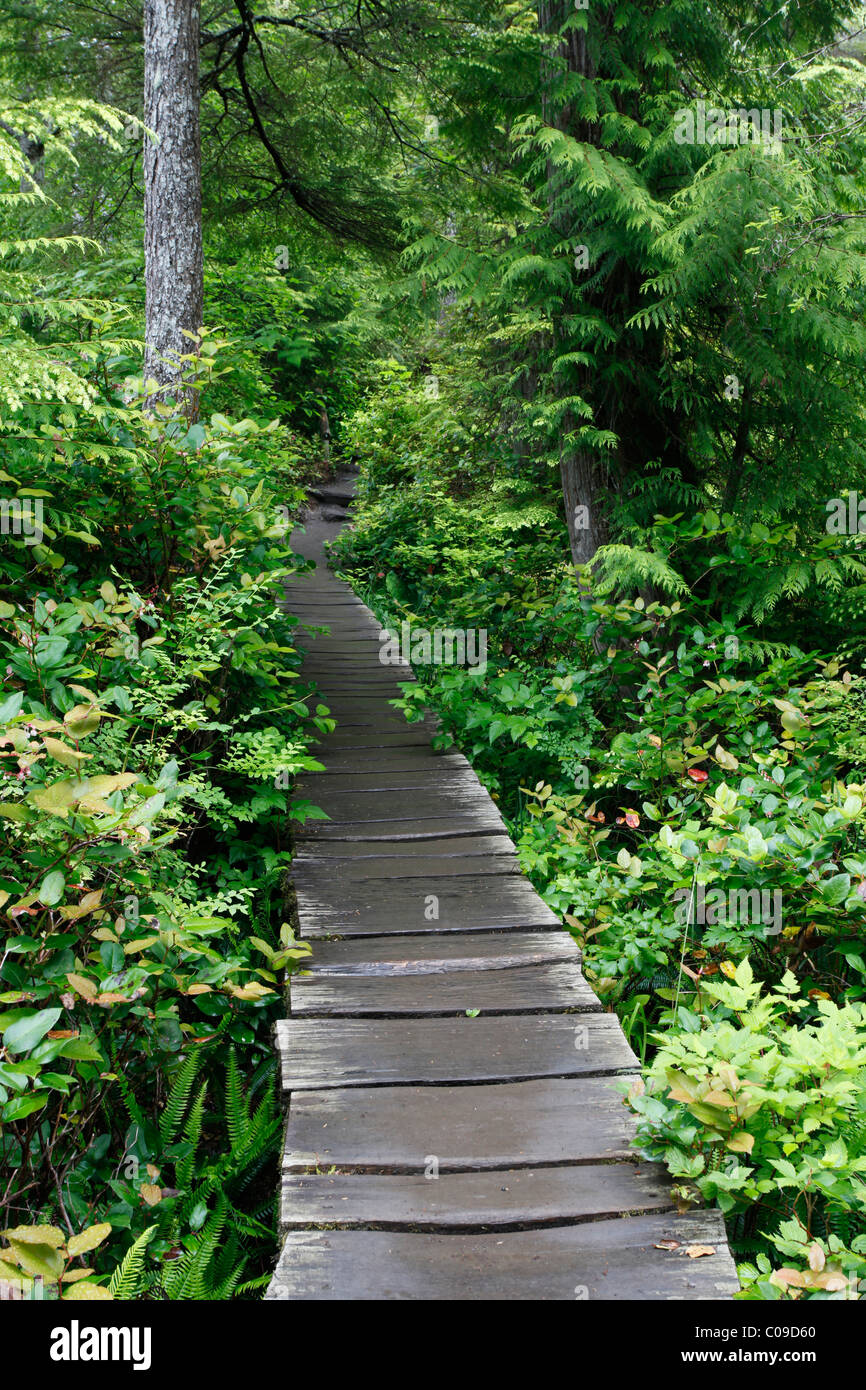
x,y
325,434
587,528
172,198
582,478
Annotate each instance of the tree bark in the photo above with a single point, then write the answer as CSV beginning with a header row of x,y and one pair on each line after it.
x,y
582,478
172,201
587,528
325,434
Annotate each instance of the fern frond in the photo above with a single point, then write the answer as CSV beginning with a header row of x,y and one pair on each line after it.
x,y
237,1106
178,1097
185,1167
125,1282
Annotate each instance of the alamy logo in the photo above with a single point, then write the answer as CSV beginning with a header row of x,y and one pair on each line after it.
x,y
22,516
740,906
738,126
846,516
444,646
75,1343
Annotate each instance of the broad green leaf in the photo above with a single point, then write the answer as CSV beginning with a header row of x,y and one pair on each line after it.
x,y
11,706
37,1235
38,1259
19,1107
89,1239
51,888
87,1292
25,1033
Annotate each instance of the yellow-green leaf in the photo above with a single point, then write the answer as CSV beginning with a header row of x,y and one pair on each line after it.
x,y
86,988
38,1259
84,1292
37,1235
89,1239
741,1143
70,757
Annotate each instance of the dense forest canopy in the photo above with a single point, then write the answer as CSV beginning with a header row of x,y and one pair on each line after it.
x,y
581,290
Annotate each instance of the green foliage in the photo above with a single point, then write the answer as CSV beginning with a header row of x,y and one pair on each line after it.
x,y
149,736
36,1262
473,249
754,1108
685,786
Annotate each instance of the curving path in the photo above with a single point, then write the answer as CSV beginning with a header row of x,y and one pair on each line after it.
x,y
432,1151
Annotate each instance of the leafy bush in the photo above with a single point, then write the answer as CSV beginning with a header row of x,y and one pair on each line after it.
x,y
752,1106
149,739
686,787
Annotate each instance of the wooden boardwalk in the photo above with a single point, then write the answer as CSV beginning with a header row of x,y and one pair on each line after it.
x,y
433,1152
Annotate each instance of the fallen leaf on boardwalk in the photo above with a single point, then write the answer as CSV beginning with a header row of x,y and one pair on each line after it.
x,y
667,1245
695,1252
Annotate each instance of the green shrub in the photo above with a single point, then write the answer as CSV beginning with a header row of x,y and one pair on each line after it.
x,y
762,1111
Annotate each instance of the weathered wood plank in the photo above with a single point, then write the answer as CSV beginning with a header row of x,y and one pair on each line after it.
x,y
364,657
342,598
317,601
458,844
341,643
377,713
330,1053
412,736
600,1260
348,684
394,1129
413,795
452,902
350,630
382,862
366,702
348,772
472,821
419,955
388,722
517,990
495,1199
388,884
332,654
342,490
361,759
367,809
315,585
342,610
